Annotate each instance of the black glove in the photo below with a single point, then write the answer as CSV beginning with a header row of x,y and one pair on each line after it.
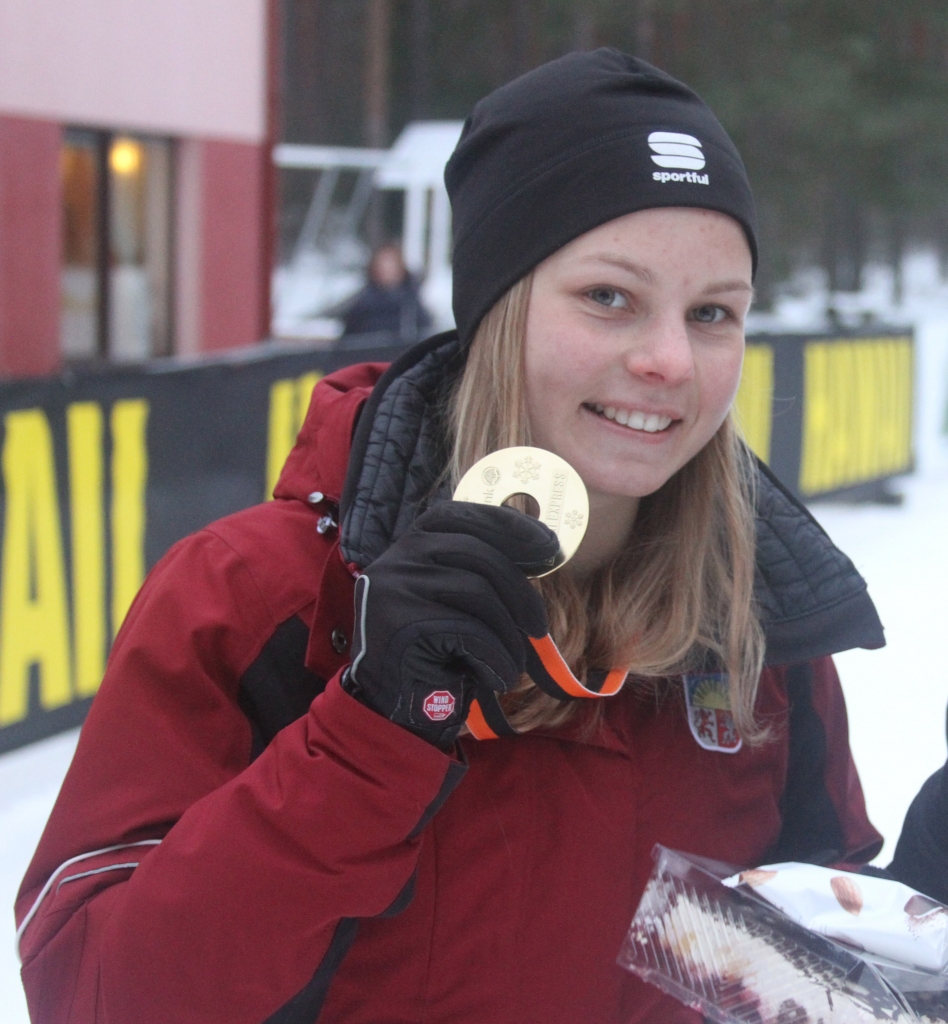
x,y
445,611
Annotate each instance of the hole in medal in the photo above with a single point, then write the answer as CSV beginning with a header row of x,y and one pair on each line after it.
x,y
525,503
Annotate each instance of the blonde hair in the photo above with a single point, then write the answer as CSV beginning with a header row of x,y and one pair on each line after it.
x,y
678,598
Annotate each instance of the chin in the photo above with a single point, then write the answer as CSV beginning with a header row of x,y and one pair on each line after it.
x,y
615,485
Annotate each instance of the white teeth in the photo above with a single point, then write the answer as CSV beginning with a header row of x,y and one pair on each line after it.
x,y
651,423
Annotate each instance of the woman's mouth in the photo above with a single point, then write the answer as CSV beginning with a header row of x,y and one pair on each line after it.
x,y
634,419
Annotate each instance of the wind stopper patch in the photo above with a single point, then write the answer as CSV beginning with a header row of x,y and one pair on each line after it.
x,y
709,712
439,705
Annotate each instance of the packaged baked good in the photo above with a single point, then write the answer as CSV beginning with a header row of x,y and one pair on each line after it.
x,y
727,953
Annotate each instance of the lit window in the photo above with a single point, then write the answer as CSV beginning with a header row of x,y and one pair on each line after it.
x,y
116,297
80,292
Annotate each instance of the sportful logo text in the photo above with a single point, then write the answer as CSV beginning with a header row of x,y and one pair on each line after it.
x,y
673,149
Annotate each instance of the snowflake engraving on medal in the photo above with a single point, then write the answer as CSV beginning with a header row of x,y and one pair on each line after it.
x,y
549,480
527,469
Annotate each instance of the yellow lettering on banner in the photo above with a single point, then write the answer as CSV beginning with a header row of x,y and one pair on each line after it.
x,y
129,423
84,431
34,626
857,412
289,402
280,436
814,420
755,396
304,392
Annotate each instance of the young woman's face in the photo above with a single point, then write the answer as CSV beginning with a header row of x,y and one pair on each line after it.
x,y
634,342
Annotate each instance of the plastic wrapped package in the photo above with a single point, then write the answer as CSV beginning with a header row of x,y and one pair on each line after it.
x,y
924,992
738,960
875,915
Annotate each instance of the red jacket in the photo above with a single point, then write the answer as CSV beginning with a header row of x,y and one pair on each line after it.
x,y
194,869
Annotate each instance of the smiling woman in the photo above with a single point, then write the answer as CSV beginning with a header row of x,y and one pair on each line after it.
x,y
623,351
622,318
265,820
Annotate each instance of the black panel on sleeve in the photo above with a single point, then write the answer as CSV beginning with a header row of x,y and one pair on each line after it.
x,y
278,688
306,1006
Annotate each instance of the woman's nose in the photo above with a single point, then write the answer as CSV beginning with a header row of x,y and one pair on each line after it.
x,y
661,352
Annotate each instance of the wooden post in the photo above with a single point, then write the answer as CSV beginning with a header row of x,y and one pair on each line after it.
x,y
645,30
104,244
376,92
304,54
377,60
420,58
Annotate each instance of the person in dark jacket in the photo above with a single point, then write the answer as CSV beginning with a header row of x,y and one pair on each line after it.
x,y
348,763
388,310
921,855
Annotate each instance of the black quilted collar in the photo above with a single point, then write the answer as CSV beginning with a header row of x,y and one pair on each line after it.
x,y
812,600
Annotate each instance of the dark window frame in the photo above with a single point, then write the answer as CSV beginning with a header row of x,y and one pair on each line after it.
x,y
101,141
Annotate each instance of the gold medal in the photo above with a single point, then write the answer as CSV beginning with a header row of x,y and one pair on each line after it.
x,y
551,481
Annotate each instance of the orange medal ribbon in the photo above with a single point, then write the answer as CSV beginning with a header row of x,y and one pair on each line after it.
x,y
564,507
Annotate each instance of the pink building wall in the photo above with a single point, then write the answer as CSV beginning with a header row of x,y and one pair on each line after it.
x,y
29,246
172,67
221,292
195,71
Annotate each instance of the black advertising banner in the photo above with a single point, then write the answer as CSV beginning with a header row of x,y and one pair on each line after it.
x,y
101,471
830,414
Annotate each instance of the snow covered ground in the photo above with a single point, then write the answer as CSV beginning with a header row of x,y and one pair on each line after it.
x,y
29,781
896,697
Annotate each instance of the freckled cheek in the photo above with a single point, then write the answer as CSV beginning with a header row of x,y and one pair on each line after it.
x,y
719,380
555,370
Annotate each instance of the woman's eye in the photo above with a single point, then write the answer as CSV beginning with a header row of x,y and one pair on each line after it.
x,y
608,297
709,314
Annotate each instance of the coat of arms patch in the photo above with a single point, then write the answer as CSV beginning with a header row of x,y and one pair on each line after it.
x,y
709,712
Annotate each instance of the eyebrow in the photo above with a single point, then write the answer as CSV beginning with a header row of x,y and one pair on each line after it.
x,y
623,264
727,286
736,285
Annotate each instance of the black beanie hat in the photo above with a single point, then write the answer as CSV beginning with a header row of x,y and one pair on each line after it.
x,y
569,146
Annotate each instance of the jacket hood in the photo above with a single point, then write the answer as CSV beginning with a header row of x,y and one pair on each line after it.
x,y
811,600
320,457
